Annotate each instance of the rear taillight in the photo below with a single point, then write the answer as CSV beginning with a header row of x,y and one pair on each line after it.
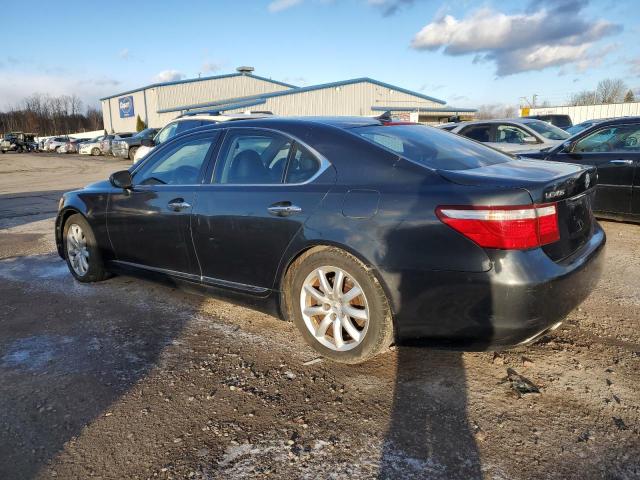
x,y
510,228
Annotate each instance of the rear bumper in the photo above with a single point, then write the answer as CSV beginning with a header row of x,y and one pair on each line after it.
x,y
523,295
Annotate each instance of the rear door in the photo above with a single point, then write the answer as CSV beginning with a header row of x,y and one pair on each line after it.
x,y
615,152
149,225
263,188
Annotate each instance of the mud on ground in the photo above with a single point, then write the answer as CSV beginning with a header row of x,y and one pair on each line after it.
x,y
130,379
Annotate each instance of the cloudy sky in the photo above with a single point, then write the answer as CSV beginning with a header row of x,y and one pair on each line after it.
x,y
465,52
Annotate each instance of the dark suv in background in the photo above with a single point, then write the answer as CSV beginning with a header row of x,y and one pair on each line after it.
x,y
107,141
128,146
560,121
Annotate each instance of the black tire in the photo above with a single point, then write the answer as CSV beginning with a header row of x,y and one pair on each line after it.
x,y
379,332
95,151
132,153
95,271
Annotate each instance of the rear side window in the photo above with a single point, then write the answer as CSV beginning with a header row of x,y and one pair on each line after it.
x,y
302,167
479,133
431,147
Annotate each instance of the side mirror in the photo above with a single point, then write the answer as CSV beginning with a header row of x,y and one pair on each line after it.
x,y
121,179
567,147
530,140
148,142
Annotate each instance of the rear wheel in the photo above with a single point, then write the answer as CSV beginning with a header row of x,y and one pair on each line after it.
x,y
338,305
81,250
95,151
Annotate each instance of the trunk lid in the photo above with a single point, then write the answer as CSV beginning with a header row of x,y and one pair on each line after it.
x,y
570,187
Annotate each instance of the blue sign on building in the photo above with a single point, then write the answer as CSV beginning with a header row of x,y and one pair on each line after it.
x,y
126,106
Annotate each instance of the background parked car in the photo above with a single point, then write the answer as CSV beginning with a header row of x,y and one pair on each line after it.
x,y
56,142
613,147
513,135
187,122
560,121
584,125
107,141
91,147
127,147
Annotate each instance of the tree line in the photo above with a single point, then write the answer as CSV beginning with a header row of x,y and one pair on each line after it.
x,y
47,115
610,90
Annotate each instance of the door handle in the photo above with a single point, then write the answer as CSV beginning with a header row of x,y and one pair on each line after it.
x,y
284,209
178,205
621,162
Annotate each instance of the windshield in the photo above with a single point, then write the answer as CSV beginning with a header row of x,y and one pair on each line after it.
x,y
547,130
147,132
432,147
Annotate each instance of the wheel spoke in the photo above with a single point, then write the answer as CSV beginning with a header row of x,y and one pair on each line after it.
x,y
324,283
313,311
313,291
324,325
350,328
337,334
338,282
355,312
351,294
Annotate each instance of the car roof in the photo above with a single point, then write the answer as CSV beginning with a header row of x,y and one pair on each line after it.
x,y
521,120
274,122
616,121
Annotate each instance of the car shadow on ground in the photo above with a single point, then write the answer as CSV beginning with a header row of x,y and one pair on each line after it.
x,y
25,207
63,363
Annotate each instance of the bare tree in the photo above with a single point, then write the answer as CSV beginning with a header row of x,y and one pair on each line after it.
x,y
586,97
611,90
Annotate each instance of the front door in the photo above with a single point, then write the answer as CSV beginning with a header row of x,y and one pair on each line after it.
x,y
615,152
149,225
264,187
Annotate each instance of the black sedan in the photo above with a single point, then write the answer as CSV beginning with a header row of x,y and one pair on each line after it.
x,y
362,232
613,147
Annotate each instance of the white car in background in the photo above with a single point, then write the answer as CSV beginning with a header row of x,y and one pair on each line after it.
x,y
188,122
513,135
91,147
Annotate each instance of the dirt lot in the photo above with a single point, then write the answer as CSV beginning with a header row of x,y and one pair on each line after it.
x,y
128,379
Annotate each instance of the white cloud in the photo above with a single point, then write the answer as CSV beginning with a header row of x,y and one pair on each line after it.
x,y
280,5
169,76
534,40
211,67
124,54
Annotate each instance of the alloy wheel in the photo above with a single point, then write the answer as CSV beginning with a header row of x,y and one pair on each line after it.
x,y
334,308
77,250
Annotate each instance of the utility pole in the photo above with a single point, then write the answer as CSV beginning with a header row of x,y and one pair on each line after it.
x,y
531,103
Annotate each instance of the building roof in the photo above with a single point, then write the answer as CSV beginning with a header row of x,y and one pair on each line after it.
x,y
200,79
295,90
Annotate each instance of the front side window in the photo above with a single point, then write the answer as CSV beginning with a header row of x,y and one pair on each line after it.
x,y
431,147
180,165
622,138
187,125
479,133
547,130
510,134
252,157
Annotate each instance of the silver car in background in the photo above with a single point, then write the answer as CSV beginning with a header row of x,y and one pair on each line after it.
x,y
91,147
513,135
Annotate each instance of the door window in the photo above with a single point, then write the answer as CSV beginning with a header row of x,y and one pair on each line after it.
x,y
180,165
510,134
479,133
166,133
618,139
252,157
302,167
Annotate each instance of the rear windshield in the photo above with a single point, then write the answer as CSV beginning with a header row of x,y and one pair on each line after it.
x,y
432,147
547,130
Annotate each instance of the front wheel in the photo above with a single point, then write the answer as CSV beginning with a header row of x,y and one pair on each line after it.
x,y
95,151
81,250
338,305
132,153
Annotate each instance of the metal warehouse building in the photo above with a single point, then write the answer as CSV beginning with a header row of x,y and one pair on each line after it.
x,y
159,103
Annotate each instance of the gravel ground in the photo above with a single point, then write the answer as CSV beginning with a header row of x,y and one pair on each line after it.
x,y
130,379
